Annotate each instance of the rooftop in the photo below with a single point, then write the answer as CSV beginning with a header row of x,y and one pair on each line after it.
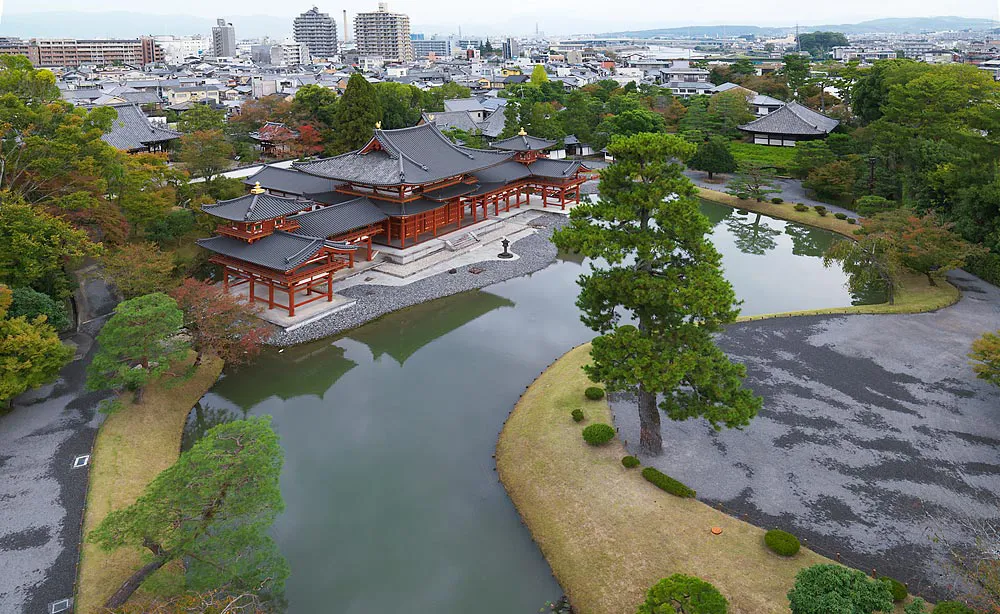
x,y
792,119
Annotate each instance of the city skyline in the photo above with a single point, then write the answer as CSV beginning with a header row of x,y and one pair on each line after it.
x,y
521,16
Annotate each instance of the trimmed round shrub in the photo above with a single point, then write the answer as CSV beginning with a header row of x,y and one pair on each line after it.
x,y
31,304
741,212
680,593
821,210
630,462
667,483
598,434
781,542
594,393
577,415
742,195
776,200
840,215
898,589
952,607
801,208
851,220
826,588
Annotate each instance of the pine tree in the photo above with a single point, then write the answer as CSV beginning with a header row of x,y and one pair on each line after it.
x,y
356,115
713,156
664,272
212,508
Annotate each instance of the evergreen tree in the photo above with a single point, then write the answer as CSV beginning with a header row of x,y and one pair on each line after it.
x,y
31,353
356,115
754,181
213,509
713,156
138,343
201,117
663,272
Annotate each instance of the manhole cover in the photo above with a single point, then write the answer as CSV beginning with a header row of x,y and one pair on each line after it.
x,y
475,270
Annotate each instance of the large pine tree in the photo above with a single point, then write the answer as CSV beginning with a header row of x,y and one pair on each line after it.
x,y
356,115
656,268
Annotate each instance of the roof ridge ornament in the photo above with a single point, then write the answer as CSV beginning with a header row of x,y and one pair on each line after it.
x,y
521,132
378,125
256,189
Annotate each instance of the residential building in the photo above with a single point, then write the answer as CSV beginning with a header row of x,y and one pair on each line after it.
x,y
223,39
864,54
510,49
423,48
176,49
383,34
318,32
72,52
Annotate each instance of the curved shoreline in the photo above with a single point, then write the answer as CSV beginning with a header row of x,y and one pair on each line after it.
x,y
535,252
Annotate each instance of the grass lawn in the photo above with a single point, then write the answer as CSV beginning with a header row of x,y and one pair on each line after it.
x,y
779,158
133,446
784,211
606,532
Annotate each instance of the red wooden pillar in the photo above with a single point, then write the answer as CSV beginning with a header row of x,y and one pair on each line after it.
x,y
225,278
370,256
252,291
329,287
291,300
270,294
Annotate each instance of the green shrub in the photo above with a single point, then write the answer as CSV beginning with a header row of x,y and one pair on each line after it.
x,y
680,593
594,393
741,212
915,607
742,195
630,462
781,542
851,220
598,434
577,415
868,206
898,589
776,200
31,304
840,215
821,210
801,208
826,588
667,483
985,266
952,607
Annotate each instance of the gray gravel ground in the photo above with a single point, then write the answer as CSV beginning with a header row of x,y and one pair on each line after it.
x,y
535,252
874,437
41,495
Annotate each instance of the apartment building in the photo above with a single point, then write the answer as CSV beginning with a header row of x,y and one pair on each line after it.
x,y
383,34
102,52
223,39
318,32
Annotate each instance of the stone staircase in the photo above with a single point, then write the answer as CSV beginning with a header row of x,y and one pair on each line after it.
x,y
468,239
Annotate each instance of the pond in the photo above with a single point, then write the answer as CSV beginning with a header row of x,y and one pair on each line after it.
x,y
393,502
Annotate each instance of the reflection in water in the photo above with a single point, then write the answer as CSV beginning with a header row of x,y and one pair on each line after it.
x,y
202,418
752,237
402,333
390,490
806,242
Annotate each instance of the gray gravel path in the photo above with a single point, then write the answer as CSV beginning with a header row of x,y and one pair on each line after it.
x,y
875,435
535,252
41,495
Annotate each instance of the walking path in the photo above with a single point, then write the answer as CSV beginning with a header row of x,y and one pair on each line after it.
x,y
875,435
42,493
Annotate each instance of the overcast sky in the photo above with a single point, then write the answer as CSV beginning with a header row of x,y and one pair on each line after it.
x,y
554,17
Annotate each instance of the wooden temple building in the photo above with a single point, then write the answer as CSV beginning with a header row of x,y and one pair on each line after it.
x,y
297,227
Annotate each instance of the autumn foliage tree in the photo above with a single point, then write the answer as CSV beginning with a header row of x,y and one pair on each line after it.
x,y
213,509
219,323
664,273
985,357
205,153
139,268
31,353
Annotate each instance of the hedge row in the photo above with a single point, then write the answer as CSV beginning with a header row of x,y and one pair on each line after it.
x,y
986,267
667,483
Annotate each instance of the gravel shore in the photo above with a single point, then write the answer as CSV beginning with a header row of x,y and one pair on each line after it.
x,y
535,252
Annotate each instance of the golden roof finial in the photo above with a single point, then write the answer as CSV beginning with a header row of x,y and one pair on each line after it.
x,y
431,117
522,132
256,189
378,125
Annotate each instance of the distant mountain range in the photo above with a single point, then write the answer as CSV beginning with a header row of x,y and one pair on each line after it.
x,y
892,25
125,24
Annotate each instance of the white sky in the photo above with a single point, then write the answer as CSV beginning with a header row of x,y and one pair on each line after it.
x,y
578,16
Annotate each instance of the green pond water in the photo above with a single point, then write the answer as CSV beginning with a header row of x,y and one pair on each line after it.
x,y
393,504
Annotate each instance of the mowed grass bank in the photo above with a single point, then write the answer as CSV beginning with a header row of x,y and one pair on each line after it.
x,y
606,532
133,446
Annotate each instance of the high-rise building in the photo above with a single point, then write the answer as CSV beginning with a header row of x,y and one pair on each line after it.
x,y
223,39
383,34
510,49
318,32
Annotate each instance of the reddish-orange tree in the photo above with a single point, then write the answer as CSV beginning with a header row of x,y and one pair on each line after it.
x,y
308,143
220,323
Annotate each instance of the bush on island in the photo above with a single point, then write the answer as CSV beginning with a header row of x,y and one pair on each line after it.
x,y
821,210
801,208
840,215
776,200
781,542
952,607
680,593
851,220
667,483
577,415
826,588
594,393
898,589
598,434
630,462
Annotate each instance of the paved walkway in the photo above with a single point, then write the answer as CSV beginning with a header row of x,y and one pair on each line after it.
x,y
791,190
874,437
42,495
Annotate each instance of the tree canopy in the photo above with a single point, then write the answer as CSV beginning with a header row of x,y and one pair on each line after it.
x,y
713,156
664,272
31,353
835,589
683,594
985,356
356,115
220,323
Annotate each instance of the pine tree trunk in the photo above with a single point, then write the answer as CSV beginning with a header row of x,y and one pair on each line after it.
x,y
137,395
129,586
197,359
650,439
930,278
